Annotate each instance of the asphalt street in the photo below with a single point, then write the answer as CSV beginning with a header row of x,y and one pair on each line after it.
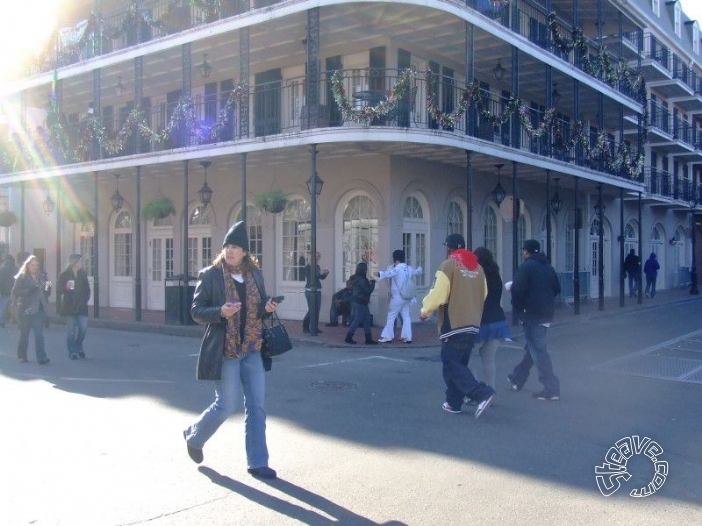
x,y
357,435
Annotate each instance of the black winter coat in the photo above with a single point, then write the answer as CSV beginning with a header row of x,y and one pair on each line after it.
x,y
73,302
535,289
206,309
28,293
362,290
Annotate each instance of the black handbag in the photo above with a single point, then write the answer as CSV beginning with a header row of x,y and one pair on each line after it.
x,y
275,338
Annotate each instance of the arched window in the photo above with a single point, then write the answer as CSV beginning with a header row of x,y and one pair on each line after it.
x,y
296,238
199,239
414,235
570,241
455,223
521,231
123,245
255,225
490,231
631,237
359,235
86,247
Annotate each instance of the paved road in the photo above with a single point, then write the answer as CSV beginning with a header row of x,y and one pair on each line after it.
x,y
356,434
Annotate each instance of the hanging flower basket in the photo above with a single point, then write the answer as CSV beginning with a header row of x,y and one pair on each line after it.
x,y
77,214
274,201
158,208
7,218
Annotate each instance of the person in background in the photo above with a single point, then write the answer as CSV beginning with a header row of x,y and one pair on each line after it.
x,y
632,266
30,297
360,297
7,281
321,274
459,293
341,306
493,324
534,292
72,295
398,273
229,300
651,268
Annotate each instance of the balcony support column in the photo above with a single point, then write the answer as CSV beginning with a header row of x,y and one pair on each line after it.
x,y
312,92
96,110
96,244
469,199
244,81
137,251
515,221
514,120
577,220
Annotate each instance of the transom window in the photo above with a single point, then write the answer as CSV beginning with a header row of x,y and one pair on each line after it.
x,y
296,238
360,235
454,223
199,216
490,231
86,246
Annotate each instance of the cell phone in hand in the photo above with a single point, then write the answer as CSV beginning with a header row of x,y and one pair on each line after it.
x,y
277,299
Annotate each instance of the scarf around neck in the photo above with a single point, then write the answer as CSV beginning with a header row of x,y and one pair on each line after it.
x,y
236,342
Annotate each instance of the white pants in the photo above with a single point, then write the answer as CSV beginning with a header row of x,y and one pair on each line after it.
x,y
398,306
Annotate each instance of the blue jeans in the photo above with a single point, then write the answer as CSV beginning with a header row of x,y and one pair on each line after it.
x,y
651,285
244,373
76,327
460,382
361,315
535,353
4,302
308,297
34,322
633,284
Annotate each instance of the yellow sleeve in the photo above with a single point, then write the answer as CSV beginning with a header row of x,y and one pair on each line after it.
x,y
438,295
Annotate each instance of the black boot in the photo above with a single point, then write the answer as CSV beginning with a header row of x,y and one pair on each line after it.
x,y
349,338
370,340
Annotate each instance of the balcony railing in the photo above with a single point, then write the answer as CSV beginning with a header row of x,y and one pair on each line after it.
x,y
278,108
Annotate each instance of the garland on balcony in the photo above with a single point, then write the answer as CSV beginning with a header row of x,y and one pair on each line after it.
x,y
601,65
184,118
366,115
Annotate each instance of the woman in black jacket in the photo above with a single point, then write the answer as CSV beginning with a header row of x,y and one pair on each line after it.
x,y
360,297
230,298
30,295
493,325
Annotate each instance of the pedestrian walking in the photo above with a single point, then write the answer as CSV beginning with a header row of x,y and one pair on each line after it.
x,y
72,295
360,297
632,267
30,298
534,292
459,293
402,294
7,281
317,292
651,268
493,324
230,299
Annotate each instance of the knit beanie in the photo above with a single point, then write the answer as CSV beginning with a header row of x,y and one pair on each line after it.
x,y
238,236
74,258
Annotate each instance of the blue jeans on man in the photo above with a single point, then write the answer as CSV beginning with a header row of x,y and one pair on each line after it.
x,y
76,327
535,353
318,304
245,373
633,284
460,382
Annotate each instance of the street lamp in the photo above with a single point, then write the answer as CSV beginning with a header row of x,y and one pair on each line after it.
x,y
498,194
556,201
117,200
205,192
48,205
317,183
499,70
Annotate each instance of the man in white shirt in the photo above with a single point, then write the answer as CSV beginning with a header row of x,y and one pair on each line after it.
x,y
398,273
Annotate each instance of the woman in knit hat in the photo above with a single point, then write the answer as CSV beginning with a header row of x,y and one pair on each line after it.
x,y
230,298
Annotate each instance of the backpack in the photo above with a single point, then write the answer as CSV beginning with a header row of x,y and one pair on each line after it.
x,y
408,290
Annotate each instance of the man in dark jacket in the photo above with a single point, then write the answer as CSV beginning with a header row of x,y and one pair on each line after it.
x,y
534,291
632,267
72,295
7,281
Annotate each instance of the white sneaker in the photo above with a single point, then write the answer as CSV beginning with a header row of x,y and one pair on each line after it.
x,y
385,340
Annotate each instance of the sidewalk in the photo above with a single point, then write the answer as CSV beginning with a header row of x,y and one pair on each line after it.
x,y
424,334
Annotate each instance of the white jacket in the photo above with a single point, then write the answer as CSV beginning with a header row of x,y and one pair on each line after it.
x,y
397,275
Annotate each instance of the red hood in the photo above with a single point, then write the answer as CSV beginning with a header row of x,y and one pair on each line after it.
x,y
465,258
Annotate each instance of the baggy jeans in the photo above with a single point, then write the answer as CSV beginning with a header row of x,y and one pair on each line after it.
x,y
76,327
460,382
245,373
535,353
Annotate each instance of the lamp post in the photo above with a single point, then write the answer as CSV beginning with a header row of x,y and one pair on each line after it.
x,y
314,187
205,192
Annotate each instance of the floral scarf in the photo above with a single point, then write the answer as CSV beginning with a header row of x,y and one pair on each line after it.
x,y
237,344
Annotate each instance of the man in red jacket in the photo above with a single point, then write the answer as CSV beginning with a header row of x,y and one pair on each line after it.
x,y
459,293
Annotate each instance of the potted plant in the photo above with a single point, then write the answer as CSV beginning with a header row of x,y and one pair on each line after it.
x,y
7,218
158,208
273,201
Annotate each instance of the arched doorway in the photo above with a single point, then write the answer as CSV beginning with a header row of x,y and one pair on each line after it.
x,y
594,257
199,239
121,262
658,246
159,261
